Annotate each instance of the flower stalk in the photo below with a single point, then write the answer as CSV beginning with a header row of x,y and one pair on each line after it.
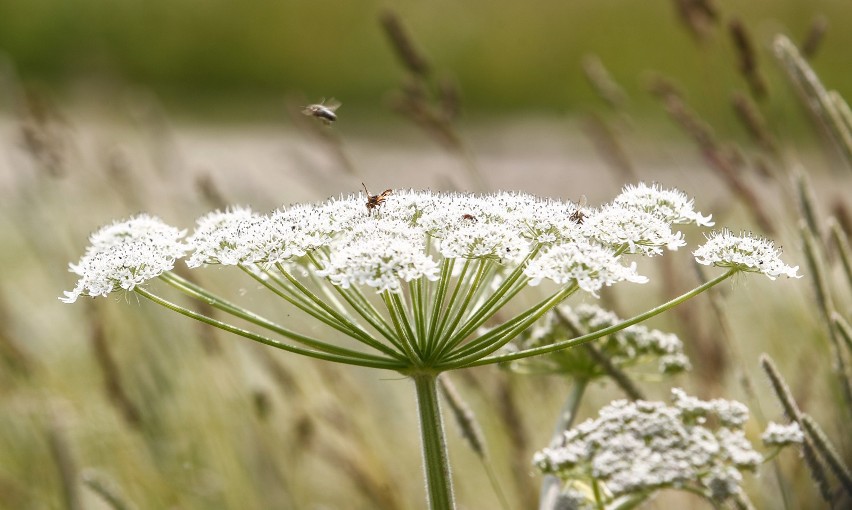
x,y
436,463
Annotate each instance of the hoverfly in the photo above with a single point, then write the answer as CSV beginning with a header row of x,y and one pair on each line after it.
x,y
374,201
323,111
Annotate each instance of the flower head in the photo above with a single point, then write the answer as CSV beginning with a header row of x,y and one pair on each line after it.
x,y
590,265
405,238
227,238
670,205
634,229
744,252
124,255
640,446
378,255
626,348
782,435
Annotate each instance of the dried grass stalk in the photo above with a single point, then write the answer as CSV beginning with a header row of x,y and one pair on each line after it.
x,y
816,98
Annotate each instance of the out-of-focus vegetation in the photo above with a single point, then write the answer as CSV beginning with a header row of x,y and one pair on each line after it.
x,y
125,398
507,56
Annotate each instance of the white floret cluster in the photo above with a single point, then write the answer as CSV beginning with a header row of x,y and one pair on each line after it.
x,y
782,435
670,205
126,254
744,252
631,346
638,447
412,233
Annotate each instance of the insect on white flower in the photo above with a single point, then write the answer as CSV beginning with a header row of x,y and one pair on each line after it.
x,y
374,201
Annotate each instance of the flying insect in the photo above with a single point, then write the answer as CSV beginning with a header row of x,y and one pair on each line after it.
x,y
323,111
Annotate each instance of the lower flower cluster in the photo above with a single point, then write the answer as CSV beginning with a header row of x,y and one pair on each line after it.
x,y
635,448
629,347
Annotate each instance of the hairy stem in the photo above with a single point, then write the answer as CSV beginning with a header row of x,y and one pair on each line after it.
x,y
436,462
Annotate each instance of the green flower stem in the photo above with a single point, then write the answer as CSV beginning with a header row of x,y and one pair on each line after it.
x,y
473,286
634,501
597,492
503,334
288,294
283,285
502,330
332,318
363,307
313,297
440,294
479,316
330,297
202,294
335,354
292,292
473,362
366,310
405,342
402,312
551,484
483,289
504,293
451,304
415,288
439,486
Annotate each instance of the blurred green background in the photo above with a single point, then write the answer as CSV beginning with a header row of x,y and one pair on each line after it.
x,y
236,57
194,95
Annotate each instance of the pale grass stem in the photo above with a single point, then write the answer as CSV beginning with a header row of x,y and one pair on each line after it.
x,y
814,95
620,377
430,103
785,397
113,383
725,160
106,489
747,58
844,250
813,39
818,271
829,453
65,461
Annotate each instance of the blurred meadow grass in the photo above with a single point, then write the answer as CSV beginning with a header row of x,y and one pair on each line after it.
x,y
120,399
508,57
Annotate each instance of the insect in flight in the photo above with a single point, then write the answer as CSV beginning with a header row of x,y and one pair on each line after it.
x,y
374,201
323,111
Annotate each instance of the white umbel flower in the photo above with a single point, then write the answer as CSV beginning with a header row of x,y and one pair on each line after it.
x,y
636,230
744,252
124,255
782,435
591,267
631,346
635,447
670,205
379,255
228,238
408,235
